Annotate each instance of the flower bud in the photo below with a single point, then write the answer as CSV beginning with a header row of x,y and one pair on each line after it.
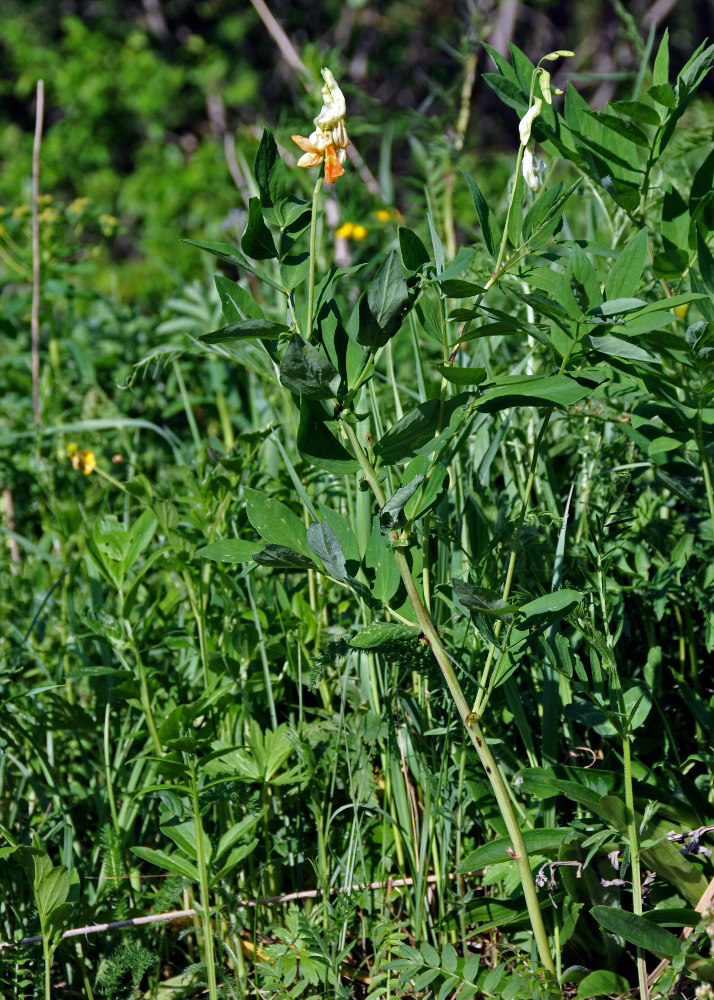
x,y
559,54
545,86
524,126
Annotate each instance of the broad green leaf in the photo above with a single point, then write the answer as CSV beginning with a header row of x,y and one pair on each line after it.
x,y
341,527
541,841
168,862
414,253
269,171
637,109
638,931
184,836
483,601
485,216
305,370
230,550
549,609
246,329
459,288
318,445
663,94
417,428
275,522
385,305
431,491
617,307
531,390
622,127
624,278
231,837
460,376
379,633
392,514
379,560
281,556
602,984
257,241
616,348
238,304
660,70
325,545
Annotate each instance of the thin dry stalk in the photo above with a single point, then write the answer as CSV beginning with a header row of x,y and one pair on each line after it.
x,y
9,508
35,315
289,897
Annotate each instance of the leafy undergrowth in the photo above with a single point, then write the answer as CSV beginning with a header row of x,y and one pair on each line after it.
x,y
371,647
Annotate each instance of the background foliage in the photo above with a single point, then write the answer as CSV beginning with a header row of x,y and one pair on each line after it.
x,y
198,709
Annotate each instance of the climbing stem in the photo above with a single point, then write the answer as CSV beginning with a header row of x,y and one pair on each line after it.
x,y
493,772
313,251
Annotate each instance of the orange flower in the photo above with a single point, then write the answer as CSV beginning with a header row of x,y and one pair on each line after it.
x,y
328,143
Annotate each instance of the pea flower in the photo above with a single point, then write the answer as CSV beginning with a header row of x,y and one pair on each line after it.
x,y
531,169
352,231
526,122
84,460
328,143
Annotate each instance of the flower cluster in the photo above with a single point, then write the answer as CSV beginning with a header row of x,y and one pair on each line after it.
x,y
328,143
84,460
531,167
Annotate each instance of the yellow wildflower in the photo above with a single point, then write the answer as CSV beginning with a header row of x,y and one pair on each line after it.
x,y
84,460
351,231
108,223
78,206
388,214
20,211
328,143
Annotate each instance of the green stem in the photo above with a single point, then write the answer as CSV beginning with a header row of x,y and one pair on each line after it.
x,y
144,695
188,409
202,865
633,837
313,251
471,724
47,957
706,468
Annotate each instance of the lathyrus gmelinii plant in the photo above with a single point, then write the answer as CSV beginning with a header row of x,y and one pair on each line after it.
x,y
570,329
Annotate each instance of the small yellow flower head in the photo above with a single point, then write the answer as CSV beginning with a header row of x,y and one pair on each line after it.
x,y
20,211
388,214
328,143
352,231
108,223
84,460
526,122
78,206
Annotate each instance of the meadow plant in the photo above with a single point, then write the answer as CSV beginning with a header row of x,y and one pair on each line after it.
x,y
396,668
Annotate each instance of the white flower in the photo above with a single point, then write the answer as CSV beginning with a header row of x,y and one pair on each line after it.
x,y
531,169
329,141
524,126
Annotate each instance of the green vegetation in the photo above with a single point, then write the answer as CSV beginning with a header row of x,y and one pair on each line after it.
x,y
357,601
